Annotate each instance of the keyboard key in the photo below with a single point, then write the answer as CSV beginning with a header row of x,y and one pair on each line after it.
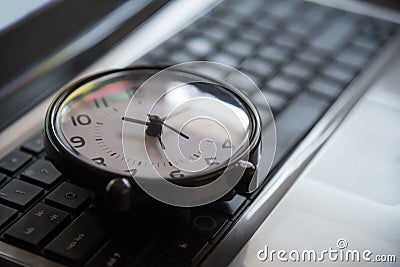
x,y
283,8
68,196
340,72
312,56
299,69
335,35
302,26
225,58
239,47
384,27
251,35
296,120
354,56
289,40
215,32
368,41
162,261
275,101
284,84
3,178
6,214
259,67
206,223
186,247
42,173
199,46
126,246
231,207
241,82
80,238
36,225
327,87
34,145
14,161
19,194
273,52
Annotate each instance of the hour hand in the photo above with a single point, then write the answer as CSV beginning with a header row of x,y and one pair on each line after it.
x,y
135,120
161,142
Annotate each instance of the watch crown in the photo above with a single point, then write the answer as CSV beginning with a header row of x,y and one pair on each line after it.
x,y
118,196
249,182
246,164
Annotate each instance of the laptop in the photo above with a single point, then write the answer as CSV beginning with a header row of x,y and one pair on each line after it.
x,y
329,71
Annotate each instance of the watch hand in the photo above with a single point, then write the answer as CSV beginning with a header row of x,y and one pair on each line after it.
x,y
175,130
161,142
156,119
135,120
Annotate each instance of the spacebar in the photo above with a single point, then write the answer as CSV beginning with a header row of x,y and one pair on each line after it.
x,y
296,120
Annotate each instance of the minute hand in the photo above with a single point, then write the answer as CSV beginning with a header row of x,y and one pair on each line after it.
x,y
135,120
175,130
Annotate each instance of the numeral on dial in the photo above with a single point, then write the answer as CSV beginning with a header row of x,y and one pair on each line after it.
x,y
211,161
100,161
227,144
82,119
176,174
100,102
78,141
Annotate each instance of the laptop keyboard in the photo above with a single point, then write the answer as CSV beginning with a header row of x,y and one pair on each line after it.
x,y
301,55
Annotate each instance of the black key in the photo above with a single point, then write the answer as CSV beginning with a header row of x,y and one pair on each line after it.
x,y
80,238
186,247
275,101
215,32
289,40
384,27
3,178
273,52
267,23
14,161
303,26
337,34
180,56
370,42
251,35
126,246
231,207
312,56
283,8
42,173
354,56
19,194
68,196
299,69
327,87
239,48
6,214
162,261
241,82
340,72
259,66
34,145
199,46
284,84
225,58
36,225
206,223
257,79
296,120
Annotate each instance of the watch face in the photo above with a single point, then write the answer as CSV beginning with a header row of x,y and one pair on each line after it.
x,y
167,127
